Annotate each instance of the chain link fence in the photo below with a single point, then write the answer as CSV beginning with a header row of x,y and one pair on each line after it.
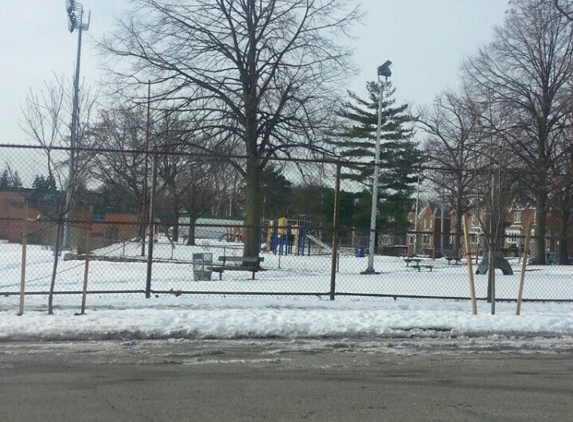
x,y
130,234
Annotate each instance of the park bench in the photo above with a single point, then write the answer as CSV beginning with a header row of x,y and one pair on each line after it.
x,y
453,258
416,261
419,267
238,263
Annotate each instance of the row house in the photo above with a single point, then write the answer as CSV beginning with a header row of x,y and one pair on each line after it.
x,y
427,236
432,228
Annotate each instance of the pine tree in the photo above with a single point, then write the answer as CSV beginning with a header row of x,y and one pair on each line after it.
x,y
399,154
16,180
5,180
51,182
39,182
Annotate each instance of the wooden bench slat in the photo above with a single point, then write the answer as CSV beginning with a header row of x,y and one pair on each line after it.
x,y
249,263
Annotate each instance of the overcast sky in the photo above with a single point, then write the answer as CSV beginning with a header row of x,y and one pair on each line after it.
x,y
425,39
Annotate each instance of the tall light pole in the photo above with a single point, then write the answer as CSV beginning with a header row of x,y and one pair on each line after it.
x,y
75,12
416,216
383,70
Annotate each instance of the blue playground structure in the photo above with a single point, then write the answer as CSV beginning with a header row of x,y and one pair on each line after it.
x,y
284,236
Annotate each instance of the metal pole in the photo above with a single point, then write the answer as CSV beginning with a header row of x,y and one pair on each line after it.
x,y
442,228
73,138
335,256
372,240
151,227
416,216
493,241
144,196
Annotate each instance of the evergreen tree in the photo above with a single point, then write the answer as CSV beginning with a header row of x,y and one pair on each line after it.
x,y
44,183
16,181
399,154
5,180
39,182
51,183
275,192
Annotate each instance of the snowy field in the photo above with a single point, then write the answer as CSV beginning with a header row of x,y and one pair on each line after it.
x,y
274,316
283,275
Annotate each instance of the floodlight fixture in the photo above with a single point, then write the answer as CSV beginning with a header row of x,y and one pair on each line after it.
x,y
384,70
75,12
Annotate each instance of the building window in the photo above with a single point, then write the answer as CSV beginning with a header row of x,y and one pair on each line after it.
x,y
517,217
426,239
386,240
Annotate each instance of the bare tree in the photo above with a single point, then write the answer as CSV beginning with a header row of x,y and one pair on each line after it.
x,y
561,198
262,71
46,119
565,7
452,133
122,165
185,171
528,69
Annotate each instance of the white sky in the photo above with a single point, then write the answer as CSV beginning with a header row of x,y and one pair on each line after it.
x,y
425,39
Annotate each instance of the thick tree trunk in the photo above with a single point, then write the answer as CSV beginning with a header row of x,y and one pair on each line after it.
x,y
191,237
252,207
563,254
175,234
189,205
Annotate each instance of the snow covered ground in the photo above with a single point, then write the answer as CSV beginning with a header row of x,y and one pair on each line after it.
x,y
274,316
283,275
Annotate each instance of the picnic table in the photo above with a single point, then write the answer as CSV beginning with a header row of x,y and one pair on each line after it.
x,y
420,266
416,261
416,264
453,258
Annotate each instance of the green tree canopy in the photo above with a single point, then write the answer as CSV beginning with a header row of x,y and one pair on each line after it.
x,y
399,154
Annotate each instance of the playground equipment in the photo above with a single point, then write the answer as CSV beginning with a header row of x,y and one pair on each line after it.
x,y
498,262
285,236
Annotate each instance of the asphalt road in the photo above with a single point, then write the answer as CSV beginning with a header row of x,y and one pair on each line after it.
x,y
280,381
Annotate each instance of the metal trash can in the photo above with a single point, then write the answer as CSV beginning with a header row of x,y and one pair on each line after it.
x,y
202,266
360,252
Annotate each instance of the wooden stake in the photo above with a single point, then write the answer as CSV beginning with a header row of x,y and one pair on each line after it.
x,y
523,265
469,264
23,270
87,262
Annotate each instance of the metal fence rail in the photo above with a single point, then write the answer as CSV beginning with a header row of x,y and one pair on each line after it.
x,y
295,240
120,269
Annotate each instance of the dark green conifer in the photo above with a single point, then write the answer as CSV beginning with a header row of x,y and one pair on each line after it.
x,y
399,155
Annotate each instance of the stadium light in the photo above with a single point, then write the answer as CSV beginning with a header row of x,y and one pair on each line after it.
x,y
75,13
